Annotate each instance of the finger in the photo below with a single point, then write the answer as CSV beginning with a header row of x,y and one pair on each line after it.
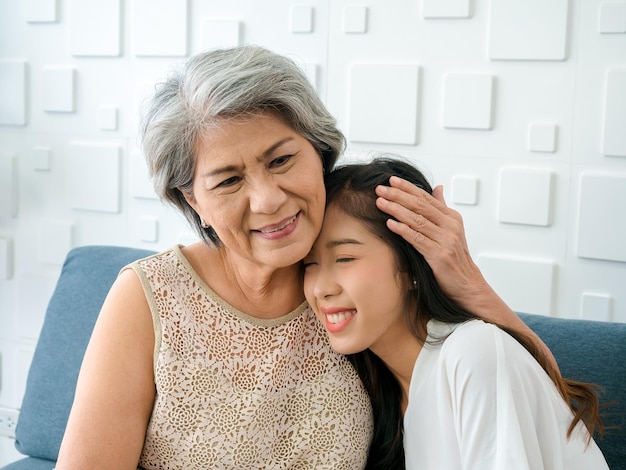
x,y
411,224
438,193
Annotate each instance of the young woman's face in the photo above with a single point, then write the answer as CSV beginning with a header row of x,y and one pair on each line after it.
x,y
259,184
352,283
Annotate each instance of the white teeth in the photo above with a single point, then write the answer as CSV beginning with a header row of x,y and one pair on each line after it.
x,y
290,221
339,317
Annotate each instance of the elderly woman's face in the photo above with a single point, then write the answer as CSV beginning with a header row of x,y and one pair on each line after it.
x,y
260,185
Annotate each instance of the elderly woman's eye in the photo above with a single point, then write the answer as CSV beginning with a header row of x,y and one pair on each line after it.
x,y
229,181
280,161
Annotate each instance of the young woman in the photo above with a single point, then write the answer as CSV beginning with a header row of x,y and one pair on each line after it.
x,y
449,390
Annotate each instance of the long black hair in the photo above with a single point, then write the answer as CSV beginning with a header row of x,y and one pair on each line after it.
x,y
351,189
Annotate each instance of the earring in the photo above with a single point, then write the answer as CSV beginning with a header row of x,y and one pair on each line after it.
x,y
203,224
414,284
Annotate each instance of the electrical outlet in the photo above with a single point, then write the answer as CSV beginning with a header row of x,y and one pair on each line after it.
x,y
8,421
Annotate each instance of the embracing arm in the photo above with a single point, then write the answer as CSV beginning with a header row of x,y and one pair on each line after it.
x,y
437,232
115,390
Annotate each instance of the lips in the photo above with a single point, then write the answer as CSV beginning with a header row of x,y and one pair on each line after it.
x,y
336,320
278,227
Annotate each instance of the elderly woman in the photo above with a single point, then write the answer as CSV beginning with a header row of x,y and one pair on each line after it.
x,y
207,355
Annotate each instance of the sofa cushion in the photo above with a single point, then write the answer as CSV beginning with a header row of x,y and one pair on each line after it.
x,y
594,352
87,275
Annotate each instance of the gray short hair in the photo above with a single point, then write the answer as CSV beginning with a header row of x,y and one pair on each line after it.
x,y
218,85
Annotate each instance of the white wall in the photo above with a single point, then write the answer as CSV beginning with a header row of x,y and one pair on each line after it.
x,y
517,107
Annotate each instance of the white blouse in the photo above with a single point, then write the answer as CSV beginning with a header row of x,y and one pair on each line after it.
x,y
480,401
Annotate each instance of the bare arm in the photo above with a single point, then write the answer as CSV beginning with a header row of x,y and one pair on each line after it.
x,y
437,232
115,390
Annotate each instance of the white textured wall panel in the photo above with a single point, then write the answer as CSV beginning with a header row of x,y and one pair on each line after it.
x,y
301,19
542,137
596,306
446,8
527,285
465,190
94,177
40,11
467,101
372,105
160,27
525,196
12,92
41,158
528,30
601,232
612,17
58,91
148,229
355,19
95,27
8,184
107,118
614,142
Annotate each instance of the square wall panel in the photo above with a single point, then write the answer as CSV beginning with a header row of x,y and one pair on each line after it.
x,y
301,19
12,92
148,229
541,137
41,157
614,138
8,185
40,11
467,101
95,27
446,8
372,108
58,89
596,306
355,19
525,284
525,196
220,33
107,118
465,190
528,30
94,177
160,28
612,18
601,221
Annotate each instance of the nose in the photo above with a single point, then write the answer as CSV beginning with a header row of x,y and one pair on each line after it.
x,y
325,284
266,196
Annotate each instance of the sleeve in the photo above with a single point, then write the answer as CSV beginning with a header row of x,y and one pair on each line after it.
x,y
499,393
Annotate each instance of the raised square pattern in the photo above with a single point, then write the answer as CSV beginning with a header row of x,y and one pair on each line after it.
x,y
465,190
542,137
446,8
58,89
601,225
372,107
525,284
355,19
612,18
596,306
525,196
8,184
467,102
301,19
40,11
528,30
614,136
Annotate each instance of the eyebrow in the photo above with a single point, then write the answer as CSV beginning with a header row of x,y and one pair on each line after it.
x,y
343,241
229,168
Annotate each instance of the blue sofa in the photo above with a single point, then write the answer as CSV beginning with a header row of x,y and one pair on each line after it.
x,y
586,351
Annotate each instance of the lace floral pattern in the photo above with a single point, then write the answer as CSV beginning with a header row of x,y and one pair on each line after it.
x,y
235,392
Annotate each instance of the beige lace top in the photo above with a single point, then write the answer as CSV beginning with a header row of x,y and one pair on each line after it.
x,y
237,392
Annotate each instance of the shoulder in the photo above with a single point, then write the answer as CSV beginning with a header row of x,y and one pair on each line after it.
x,y
478,346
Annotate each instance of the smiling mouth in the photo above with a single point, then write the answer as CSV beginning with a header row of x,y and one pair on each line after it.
x,y
281,226
340,316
